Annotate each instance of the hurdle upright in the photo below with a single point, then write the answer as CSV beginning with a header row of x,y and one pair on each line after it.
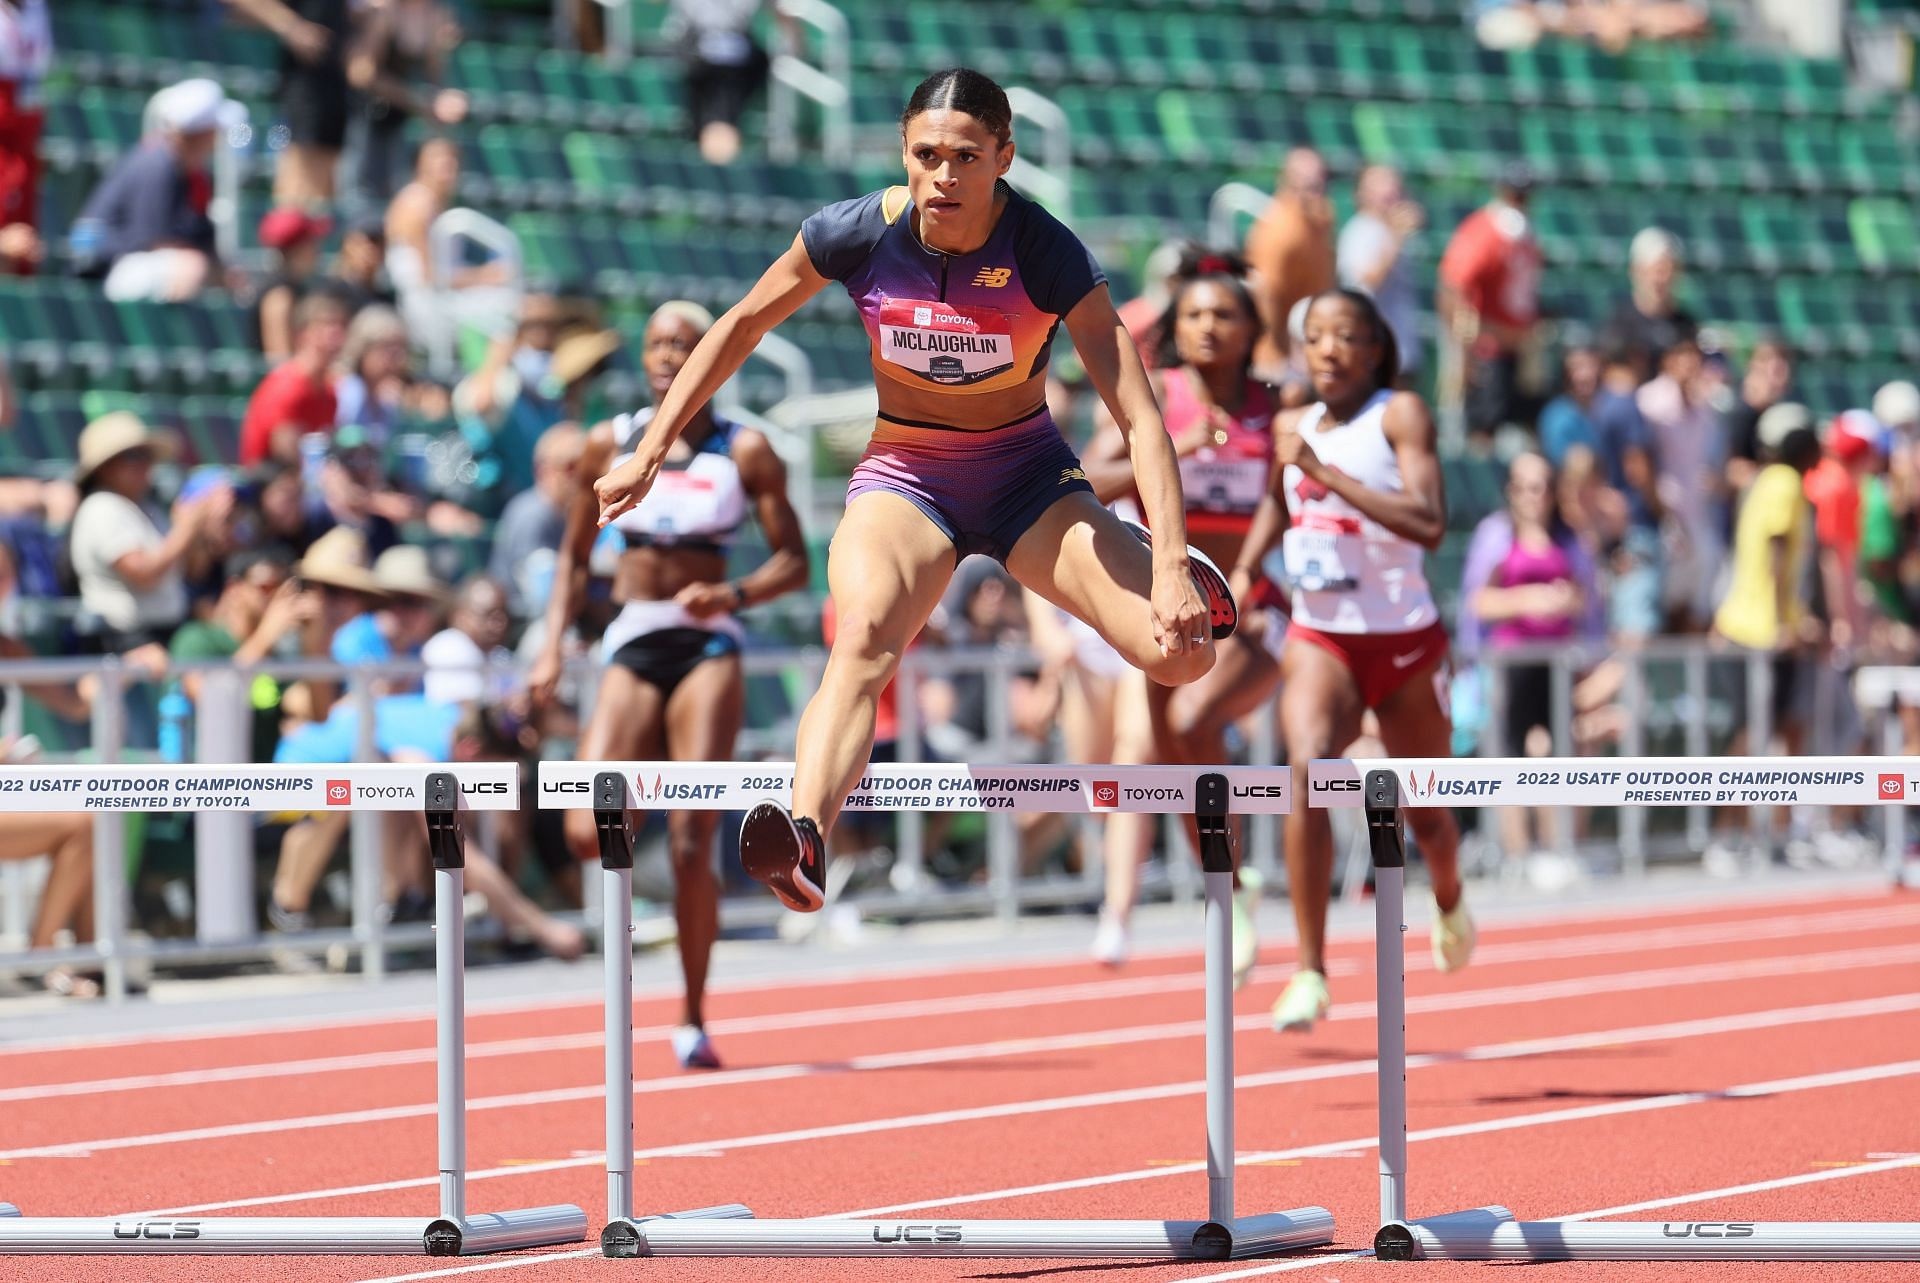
x,y
439,793
1209,794
1382,788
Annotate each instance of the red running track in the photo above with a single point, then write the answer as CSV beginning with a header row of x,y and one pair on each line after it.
x,y
1756,1062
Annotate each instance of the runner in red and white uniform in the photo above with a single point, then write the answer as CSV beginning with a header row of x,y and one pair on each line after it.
x,y
1221,421
1360,502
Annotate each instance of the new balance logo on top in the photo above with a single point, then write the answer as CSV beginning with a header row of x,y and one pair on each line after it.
x,y
992,278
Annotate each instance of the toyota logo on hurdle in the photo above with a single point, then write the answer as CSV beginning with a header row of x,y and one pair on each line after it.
x,y
1893,786
1106,793
339,792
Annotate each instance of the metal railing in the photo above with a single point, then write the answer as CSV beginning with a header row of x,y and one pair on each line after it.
x,y
1230,203
1049,179
1668,699
829,85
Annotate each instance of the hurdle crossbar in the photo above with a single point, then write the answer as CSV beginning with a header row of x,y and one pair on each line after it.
x,y
1382,788
616,789
439,793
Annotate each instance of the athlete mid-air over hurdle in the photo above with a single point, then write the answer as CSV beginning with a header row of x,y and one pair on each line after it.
x,y
962,283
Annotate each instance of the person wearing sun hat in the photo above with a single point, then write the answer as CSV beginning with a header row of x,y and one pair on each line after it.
x,y
128,560
412,601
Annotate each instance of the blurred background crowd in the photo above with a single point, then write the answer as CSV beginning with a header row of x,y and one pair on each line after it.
x,y
306,305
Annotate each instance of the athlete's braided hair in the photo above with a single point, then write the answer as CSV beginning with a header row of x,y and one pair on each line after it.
x,y
966,90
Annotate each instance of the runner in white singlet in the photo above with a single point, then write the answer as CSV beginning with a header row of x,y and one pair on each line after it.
x,y
672,685
1358,504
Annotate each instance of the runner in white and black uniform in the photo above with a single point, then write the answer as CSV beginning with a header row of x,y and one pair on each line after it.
x,y
1357,504
673,686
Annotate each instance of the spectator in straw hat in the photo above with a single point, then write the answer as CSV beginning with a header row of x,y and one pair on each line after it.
x,y
129,561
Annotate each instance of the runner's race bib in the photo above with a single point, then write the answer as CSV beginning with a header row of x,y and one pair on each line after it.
x,y
1313,560
944,342
1217,482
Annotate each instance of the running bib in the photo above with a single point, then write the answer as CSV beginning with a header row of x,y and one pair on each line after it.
x,y
1221,483
944,342
1313,561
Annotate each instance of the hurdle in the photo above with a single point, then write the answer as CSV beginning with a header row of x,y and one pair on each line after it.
x,y
614,789
439,793
1381,788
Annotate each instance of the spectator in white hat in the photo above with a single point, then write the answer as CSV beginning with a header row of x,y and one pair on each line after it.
x,y
1650,320
146,225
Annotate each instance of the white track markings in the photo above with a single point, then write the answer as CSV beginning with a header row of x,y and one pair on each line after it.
x,y
1519,1122
1825,1012
1876,913
1656,979
1797,927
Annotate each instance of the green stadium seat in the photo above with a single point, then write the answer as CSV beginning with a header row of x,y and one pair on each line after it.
x,y
1884,234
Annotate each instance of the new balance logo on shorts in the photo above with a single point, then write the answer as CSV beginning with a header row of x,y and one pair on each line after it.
x,y
992,278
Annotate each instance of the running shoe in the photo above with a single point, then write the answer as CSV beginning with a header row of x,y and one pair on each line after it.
x,y
1246,936
1111,940
1222,613
1454,936
694,1048
1304,1001
786,854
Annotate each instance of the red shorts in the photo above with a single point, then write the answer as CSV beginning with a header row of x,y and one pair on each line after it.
x,y
1381,663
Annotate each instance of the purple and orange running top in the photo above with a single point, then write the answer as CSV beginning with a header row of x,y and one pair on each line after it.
x,y
965,323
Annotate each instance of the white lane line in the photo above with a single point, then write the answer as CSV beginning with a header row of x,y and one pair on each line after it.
x,y
1656,979
1799,927
1677,1200
1757,928
1775,1087
1825,1012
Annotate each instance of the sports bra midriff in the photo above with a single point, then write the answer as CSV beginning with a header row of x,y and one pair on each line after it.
x,y
696,504
1225,481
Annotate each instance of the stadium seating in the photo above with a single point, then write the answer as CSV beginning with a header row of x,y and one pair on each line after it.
x,y
1794,192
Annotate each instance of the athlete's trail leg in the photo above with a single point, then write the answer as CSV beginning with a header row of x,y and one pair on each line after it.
x,y
887,568
703,717
1415,723
1319,715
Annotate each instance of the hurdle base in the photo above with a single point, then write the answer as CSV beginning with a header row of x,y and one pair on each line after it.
x,y
623,1239
1247,1236
1491,1234
290,1235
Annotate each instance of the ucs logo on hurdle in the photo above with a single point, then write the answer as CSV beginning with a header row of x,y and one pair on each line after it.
x,y
1707,1229
916,1233
177,1231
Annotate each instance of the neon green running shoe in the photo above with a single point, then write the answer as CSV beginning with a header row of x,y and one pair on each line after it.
x,y
1454,936
1304,1001
1246,935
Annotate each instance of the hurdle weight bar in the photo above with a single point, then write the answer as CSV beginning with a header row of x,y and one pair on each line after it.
x,y
439,793
614,789
1382,788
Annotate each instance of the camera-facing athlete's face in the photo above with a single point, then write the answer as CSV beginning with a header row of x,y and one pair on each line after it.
x,y
953,162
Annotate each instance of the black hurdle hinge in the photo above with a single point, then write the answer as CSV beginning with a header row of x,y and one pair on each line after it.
x,y
445,842
1383,820
1210,818
610,820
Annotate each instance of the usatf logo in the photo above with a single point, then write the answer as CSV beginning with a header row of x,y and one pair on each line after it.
x,y
1106,793
1893,786
992,278
1071,474
1417,789
1435,787
339,792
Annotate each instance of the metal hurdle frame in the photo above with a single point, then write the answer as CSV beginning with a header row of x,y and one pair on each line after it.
x,y
1492,1233
438,792
731,1230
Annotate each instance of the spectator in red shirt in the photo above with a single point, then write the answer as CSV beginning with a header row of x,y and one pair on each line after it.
x,y
26,54
297,397
1852,447
1489,301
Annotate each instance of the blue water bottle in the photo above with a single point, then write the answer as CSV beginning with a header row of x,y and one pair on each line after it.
x,y
176,717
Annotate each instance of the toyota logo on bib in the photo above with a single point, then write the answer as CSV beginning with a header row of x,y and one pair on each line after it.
x,y
1106,792
923,316
1893,786
339,792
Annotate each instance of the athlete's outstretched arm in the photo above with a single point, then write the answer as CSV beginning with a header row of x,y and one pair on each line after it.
x,y
778,294
1418,512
